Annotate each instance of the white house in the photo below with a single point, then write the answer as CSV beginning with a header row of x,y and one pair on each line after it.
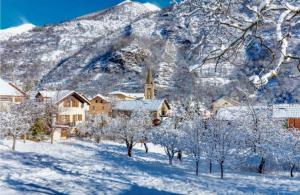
x,y
10,93
72,109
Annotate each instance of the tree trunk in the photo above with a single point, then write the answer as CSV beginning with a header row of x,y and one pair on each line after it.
x,y
292,169
210,166
52,136
261,165
24,137
14,143
170,160
146,147
222,169
197,167
179,155
129,145
129,151
98,140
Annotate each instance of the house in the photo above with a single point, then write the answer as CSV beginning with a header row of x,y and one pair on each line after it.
x,y
119,95
223,103
10,93
158,108
288,112
100,105
71,109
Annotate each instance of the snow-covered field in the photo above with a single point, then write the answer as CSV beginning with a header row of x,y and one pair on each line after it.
x,y
82,167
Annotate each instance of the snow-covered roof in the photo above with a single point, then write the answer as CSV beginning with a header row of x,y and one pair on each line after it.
x,y
102,97
131,95
149,105
236,112
230,100
8,89
57,96
281,111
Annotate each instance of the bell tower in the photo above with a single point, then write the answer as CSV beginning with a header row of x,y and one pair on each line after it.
x,y
149,86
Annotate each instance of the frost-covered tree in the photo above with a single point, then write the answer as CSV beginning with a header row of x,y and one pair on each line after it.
x,y
287,148
169,136
18,120
193,139
94,126
222,135
260,132
130,129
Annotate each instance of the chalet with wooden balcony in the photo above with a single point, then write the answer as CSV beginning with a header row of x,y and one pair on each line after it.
x,y
72,108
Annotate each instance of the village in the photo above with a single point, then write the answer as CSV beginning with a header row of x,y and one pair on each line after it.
x,y
133,117
74,107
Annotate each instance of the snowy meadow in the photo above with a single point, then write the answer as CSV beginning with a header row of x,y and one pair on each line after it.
x,y
232,152
83,167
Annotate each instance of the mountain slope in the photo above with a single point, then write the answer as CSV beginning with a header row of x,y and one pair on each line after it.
x,y
108,50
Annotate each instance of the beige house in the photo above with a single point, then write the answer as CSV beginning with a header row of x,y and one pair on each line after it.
x,y
72,109
119,95
10,93
223,103
100,105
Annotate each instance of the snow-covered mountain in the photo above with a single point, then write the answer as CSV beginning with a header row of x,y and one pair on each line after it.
x,y
13,31
108,50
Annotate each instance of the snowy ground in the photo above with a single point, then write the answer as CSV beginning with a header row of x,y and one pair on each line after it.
x,y
81,167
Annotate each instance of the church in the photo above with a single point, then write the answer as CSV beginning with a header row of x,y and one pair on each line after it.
x,y
119,102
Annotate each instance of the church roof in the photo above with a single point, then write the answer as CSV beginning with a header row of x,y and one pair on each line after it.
x,y
149,105
8,89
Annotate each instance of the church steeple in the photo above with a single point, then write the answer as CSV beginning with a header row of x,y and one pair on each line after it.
x,y
149,86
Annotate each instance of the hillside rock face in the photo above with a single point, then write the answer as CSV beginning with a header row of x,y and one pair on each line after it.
x,y
108,50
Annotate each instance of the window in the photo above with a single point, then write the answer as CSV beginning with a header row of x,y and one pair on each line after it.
x,y
96,101
74,118
94,107
67,103
18,99
79,117
67,118
75,103
63,119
